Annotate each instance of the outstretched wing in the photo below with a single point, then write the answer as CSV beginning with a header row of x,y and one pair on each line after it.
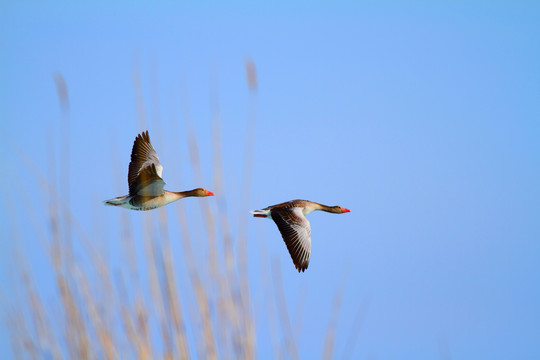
x,y
145,170
296,232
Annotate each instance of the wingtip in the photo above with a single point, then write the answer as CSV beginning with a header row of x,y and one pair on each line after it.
x,y
143,136
301,268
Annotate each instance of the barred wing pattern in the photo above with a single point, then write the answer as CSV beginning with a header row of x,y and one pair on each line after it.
x,y
296,232
145,170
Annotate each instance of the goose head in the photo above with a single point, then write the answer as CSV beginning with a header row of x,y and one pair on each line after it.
x,y
200,192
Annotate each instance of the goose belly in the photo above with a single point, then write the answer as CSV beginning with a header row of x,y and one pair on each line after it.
x,y
143,203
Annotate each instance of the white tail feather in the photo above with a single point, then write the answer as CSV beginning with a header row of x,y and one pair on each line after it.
x,y
260,213
117,201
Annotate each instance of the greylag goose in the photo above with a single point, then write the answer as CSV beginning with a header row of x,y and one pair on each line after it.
x,y
145,182
294,227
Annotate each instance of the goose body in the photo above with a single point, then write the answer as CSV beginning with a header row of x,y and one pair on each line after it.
x,y
145,182
290,218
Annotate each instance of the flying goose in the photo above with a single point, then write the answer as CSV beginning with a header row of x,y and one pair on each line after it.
x,y
294,227
145,182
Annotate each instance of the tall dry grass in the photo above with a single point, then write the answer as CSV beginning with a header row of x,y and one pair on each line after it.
x,y
99,311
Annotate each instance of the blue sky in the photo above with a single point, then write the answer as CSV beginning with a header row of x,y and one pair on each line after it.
x,y
423,119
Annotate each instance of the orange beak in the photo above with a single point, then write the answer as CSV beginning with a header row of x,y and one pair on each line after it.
x,y
209,193
346,210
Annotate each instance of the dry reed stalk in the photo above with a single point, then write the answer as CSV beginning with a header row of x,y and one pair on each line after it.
x,y
109,297
38,314
299,310
226,314
76,330
201,294
194,156
15,322
251,74
175,306
152,270
246,193
61,256
163,228
44,338
164,305
207,338
24,342
142,330
267,288
355,330
281,305
77,340
53,210
21,337
332,326
96,318
197,286
167,277
63,97
137,335
129,329
185,237
232,311
217,149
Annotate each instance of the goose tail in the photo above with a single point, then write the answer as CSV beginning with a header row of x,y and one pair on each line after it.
x,y
117,201
264,213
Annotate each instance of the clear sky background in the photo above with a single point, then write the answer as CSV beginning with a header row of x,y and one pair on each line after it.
x,y
423,119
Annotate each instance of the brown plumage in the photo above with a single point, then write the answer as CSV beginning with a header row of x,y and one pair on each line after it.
x,y
145,182
294,227
144,167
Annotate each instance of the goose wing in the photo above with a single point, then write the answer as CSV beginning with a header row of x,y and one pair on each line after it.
x,y
148,183
296,232
145,170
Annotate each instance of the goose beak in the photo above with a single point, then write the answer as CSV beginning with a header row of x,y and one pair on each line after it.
x,y
209,193
346,210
